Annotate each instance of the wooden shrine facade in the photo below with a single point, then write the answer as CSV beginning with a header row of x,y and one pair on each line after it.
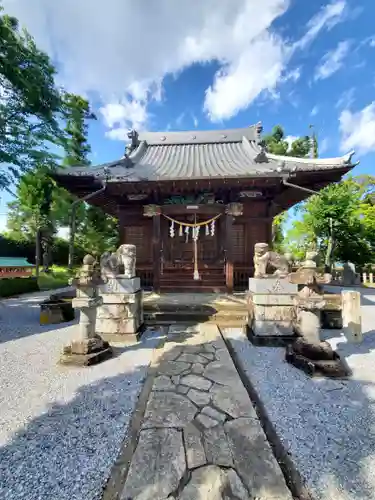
x,y
194,246
195,203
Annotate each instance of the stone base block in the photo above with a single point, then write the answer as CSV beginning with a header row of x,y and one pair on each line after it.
x,y
118,329
86,359
271,320
333,368
271,307
121,285
118,310
272,286
120,317
86,352
266,328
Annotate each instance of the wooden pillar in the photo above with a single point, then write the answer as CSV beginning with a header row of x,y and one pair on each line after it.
x,y
154,211
156,252
229,253
121,226
232,210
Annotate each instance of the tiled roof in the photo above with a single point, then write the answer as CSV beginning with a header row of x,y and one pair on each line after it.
x,y
202,154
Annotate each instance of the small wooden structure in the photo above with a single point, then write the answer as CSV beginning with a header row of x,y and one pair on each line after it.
x,y
194,203
15,267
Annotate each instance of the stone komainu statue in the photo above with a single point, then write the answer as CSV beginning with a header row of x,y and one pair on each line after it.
x,y
122,262
264,258
109,265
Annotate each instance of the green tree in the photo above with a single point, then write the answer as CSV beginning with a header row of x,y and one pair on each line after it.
x,y
29,216
30,103
98,232
93,229
340,220
275,143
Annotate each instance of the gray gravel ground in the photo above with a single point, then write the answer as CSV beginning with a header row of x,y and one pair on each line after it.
x,y
327,426
61,428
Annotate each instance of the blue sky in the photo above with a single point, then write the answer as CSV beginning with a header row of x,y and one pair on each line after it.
x,y
206,64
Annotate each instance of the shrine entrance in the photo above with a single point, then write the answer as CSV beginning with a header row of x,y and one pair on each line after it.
x,y
192,252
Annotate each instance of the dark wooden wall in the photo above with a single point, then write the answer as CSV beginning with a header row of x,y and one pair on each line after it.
x,y
252,227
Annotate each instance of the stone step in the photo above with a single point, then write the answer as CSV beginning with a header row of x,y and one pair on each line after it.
x,y
200,434
175,288
164,318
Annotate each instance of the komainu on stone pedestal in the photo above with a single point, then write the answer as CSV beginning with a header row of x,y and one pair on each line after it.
x,y
308,352
120,316
109,265
264,259
127,257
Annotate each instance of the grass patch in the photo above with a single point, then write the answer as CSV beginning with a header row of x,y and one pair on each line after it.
x,y
58,278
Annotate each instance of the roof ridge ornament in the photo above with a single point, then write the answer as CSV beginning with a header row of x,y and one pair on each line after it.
x,y
134,142
261,157
347,159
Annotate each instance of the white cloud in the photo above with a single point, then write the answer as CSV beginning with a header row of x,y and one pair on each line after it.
x,y
294,75
332,61
314,111
346,99
120,116
120,51
195,121
327,17
358,129
290,139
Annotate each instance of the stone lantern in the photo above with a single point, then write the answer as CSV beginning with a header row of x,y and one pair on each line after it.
x,y
89,348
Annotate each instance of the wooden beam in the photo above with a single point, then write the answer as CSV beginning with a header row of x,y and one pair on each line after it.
x,y
228,253
214,209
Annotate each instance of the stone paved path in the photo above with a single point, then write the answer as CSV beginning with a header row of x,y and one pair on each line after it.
x,y
200,438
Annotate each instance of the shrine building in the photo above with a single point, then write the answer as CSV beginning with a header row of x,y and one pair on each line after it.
x,y
195,203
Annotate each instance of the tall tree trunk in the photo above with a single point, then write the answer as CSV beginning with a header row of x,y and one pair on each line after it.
x,y
46,243
37,252
72,230
330,248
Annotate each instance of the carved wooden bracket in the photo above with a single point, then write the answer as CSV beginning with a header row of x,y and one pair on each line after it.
x,y
235,209
151,210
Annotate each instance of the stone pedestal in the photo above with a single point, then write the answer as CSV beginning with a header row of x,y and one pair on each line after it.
x,y
309,353
271,307
309,318
120,316
89,348
351,315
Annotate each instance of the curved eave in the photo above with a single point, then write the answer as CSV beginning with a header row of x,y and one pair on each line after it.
x,y
315,163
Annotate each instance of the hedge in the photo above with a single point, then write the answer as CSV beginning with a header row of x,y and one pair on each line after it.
x,y
60,250
16,286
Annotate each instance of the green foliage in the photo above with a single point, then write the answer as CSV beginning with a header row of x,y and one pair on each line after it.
x,y
10,247
95,230
277,231
32,208
30,103
275,143
16,286
76,113
58,277
340,220
98,232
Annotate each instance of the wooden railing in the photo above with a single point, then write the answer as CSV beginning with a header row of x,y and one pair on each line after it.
x,y
241,275
147,277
